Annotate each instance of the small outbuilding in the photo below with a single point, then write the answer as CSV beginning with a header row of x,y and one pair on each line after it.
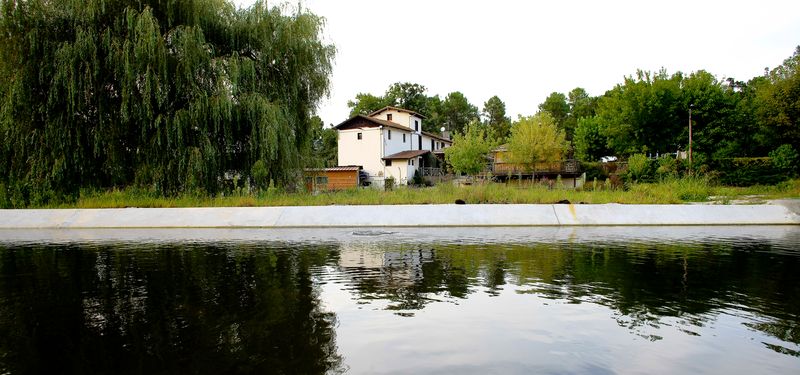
x,y
333,178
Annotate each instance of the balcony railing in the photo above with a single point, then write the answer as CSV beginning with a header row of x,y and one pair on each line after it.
x,y
570,166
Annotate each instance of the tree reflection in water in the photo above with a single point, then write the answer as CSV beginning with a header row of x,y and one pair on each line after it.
x,y
644,282
166,309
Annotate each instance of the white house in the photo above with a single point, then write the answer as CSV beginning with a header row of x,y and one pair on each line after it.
x,y
387,143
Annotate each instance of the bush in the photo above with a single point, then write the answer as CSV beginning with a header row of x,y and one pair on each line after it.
x,y
749,171
785,158
594,170
639,168
667,167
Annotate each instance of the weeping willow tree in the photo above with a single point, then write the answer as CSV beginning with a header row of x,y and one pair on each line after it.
x,y
172,95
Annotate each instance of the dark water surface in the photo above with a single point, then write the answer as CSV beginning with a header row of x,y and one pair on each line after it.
x,y
467,300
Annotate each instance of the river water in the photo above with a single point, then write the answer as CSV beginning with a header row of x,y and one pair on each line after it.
x,y
409,301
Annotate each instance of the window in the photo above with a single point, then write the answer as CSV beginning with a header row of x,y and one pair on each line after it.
x,y
322,180
404,137
359,136
410,161
390,133
389,117
416,125
432,143
388,163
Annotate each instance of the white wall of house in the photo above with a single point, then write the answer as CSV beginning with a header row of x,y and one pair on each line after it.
x,y
396,144
401,118
402,171
364,152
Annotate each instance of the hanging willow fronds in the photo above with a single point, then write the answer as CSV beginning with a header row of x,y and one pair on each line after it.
x,y
170,94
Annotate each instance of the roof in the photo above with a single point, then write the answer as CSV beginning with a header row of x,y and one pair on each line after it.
x,y
408,154
439,137
335,169
375,121
388,107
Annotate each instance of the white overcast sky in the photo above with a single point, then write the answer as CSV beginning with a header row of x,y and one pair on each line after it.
x,y
522,51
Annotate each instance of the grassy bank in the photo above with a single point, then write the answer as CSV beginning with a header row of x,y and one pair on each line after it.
x,y
667,192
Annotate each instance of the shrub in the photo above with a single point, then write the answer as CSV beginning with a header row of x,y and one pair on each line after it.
x,y
748,171
639,168
785,158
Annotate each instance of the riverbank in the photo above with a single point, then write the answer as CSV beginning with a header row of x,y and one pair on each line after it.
x,y
670,191
784,212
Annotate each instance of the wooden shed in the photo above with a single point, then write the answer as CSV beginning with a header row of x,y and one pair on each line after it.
x,y
333,178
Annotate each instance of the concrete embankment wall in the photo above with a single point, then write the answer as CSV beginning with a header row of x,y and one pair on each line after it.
x,y
778,213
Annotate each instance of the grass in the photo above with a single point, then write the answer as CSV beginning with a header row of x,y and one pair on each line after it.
x,y
672,191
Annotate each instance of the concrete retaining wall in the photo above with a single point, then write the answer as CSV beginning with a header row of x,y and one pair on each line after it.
x,y
780,213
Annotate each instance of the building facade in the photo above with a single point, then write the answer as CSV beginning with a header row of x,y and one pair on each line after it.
x,y
389,143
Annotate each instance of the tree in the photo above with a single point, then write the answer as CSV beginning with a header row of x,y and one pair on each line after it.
x,y
469,150
777,108
581,105
644,114
171,95
590,142
407,95
325,145
457,112
365,103
498,125
556,105
536,139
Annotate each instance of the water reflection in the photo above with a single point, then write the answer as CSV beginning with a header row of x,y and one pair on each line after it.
x,y
174,309
403,301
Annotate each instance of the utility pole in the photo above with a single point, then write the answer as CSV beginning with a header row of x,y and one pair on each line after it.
x,y
690,135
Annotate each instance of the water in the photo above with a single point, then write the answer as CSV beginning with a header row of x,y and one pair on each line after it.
x,y
468,300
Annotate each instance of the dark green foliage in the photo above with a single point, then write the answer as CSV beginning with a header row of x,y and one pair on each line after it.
x,y
640,169
170,95
748,171
590,140
497,123
785,158
594,170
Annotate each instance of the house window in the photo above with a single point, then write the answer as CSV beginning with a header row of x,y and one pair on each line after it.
x,y
389,117
410,161
416,125
404,137
388,163
322,180
359,136
390,133
432,143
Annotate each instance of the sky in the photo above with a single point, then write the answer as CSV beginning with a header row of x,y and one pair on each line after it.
x,y
522,51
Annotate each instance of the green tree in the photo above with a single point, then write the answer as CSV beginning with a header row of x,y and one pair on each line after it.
x,y
536,139
457,112
581,105
777,108
498,125
407,95
434,115
590,142
166,94
365,103
556,105
325,145
469,150
644,114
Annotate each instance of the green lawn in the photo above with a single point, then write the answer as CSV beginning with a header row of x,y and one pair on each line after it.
x,y
673,191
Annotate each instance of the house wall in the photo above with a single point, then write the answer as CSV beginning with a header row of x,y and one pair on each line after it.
x,y
401,118
395,145
366,152
401,171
